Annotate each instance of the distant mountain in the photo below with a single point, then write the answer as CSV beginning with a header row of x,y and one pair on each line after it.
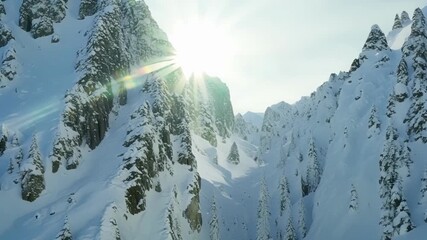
x,y
92,146
353,152
254,118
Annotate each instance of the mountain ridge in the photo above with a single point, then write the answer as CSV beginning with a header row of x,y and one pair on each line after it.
x,y
126,155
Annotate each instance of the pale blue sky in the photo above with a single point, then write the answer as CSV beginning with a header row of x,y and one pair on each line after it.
x,y
286,48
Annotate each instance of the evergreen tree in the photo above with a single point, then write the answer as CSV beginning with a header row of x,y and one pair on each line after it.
x,y
3,141
233,156
402,221
423,190
301,220
313,168
404,18
401,88
376,40
416,48
397,24
15,141
32,178
395,213
65,233
374,124
404,159
263,222
109,228
354,200
285,201
19,156
290,230
174,227
87,8
214,223
10,167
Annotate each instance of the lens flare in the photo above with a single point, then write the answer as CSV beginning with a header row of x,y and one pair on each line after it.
x,y
134,79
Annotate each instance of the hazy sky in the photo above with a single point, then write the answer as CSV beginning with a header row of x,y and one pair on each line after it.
x,y
286,49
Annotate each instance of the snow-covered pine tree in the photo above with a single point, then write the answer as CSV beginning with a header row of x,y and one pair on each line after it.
x,y
15,141
213,222
38,16
2,9
9,65
402,222
206,124
233,156
374,124
423,190
109,229
301,220
404,18
376,41
404,158
401,88
139,165
290,230
285,200
3,141
313,168
263,215
200,111
15,162
87,8
354,199
416,47
397,24
65,233
6,34
32,173
173,224
395,213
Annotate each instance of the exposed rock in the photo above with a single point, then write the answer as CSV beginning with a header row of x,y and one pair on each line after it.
x,y
55,38
192,212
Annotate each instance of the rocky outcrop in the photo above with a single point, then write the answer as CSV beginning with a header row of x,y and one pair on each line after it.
x,y
113,46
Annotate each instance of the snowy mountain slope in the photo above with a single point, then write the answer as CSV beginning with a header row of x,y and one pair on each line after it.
x,y
349,125
95,147
104,153
254,118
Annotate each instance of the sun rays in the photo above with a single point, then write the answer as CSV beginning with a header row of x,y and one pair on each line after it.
x,y
202,47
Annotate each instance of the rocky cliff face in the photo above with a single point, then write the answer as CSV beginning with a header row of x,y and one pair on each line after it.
x,y
151,158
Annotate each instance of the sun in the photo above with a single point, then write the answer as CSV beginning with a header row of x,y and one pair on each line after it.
x,y
201,48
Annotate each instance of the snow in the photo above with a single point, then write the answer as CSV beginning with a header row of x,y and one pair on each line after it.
x,y
334,120
254,118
